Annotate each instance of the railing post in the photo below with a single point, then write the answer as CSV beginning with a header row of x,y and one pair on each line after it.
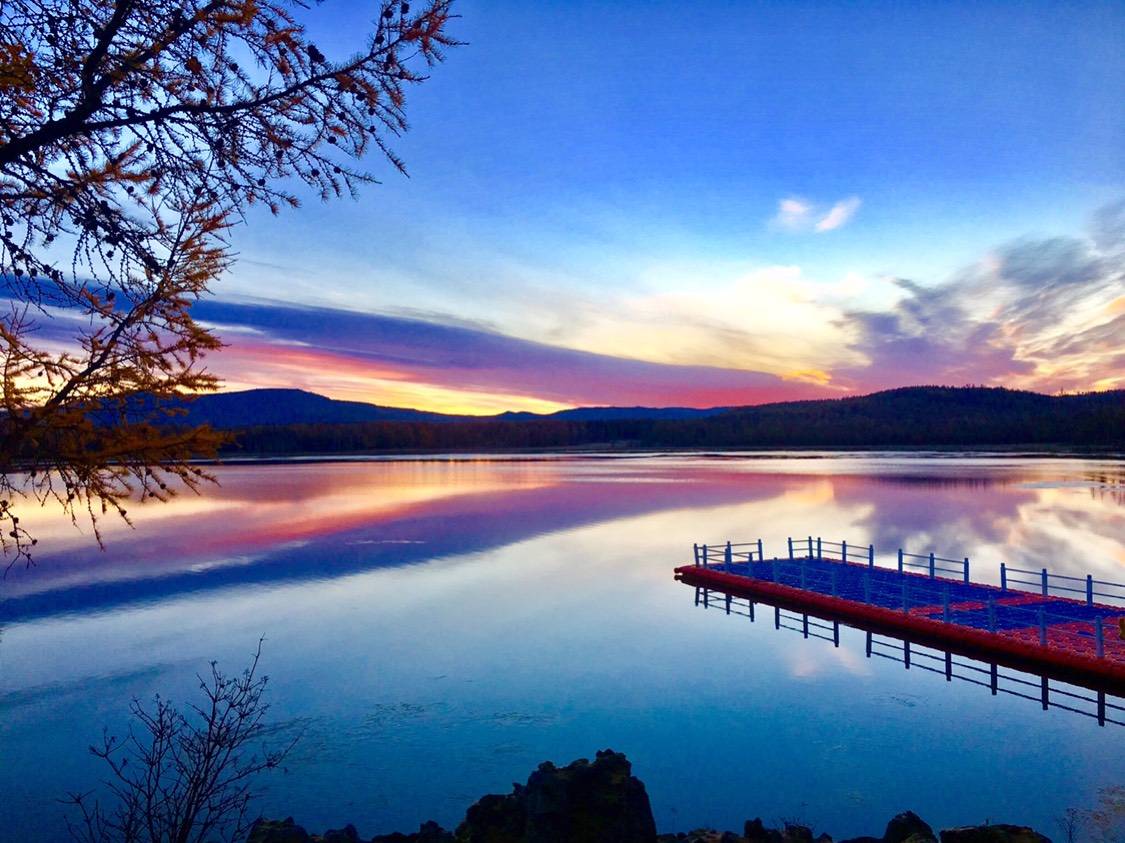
x,y
810,547
1089,589
727,558
966,569
1003,577
695,553
933,570
844,550
1042,627
871,556
1099,636
761,555
1044,582
790,547
819,549
900,560
905,604
775,579
704,556
805,624
836,633
777,617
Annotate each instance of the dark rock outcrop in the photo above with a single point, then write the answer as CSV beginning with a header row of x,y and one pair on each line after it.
x,y
793,833
430,832
602,802
582,802
905,826
277,831
993,834
755,832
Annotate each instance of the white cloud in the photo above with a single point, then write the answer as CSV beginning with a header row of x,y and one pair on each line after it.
x,y
840,213
793,214
796,214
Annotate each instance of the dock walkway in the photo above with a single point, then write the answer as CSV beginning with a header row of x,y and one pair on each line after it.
x,y
936,601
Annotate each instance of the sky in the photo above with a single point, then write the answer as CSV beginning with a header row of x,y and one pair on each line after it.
x,y
711,204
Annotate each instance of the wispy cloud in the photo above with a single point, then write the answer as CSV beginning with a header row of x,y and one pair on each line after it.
x,y
1039,314
396,360
800,215
839,214
793,214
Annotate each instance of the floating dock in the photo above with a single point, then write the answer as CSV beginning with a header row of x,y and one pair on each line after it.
x,y
1067,627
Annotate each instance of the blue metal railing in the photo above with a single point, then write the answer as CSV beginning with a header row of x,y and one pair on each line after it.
x,y
1047,584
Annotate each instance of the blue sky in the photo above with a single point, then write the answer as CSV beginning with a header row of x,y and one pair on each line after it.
x,y
609,178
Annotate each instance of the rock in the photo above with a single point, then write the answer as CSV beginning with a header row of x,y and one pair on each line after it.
x,y
347,834
428,832
993,834
277,831
906,825
755,832
600,802
796,834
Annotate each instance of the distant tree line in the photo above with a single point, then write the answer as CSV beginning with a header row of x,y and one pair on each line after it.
x,y
915,417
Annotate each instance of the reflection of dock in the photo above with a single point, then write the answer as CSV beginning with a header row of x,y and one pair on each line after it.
x,y
987,674
1078,640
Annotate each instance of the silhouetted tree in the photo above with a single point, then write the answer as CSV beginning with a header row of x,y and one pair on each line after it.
x,y
133,135
184,778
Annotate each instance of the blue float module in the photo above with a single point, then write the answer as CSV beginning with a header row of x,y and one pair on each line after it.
x,y
1067,624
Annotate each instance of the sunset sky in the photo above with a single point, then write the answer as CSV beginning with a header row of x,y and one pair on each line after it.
x,y
712,204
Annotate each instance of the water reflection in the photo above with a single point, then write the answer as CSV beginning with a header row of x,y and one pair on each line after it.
x,y
442,626
271,523
1088,699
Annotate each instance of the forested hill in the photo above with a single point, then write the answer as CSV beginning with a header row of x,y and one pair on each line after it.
x,y
909,417
256,407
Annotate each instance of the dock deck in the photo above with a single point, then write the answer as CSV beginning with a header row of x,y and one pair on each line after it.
x,y
939,604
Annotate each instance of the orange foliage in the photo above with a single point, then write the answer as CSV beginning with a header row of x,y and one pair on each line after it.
x,y
131,139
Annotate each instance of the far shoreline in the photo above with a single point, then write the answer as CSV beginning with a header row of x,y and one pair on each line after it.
x,y
611,452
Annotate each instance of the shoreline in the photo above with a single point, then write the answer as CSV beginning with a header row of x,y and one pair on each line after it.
x,y
612,453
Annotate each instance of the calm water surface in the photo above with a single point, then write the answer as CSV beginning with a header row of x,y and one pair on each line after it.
x,y
438,627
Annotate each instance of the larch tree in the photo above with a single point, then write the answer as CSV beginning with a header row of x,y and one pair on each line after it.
x,y
133,135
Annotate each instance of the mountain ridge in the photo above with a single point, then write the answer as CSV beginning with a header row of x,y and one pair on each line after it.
x,y
920,416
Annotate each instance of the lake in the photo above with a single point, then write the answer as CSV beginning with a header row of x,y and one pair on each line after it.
x,y
437,627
